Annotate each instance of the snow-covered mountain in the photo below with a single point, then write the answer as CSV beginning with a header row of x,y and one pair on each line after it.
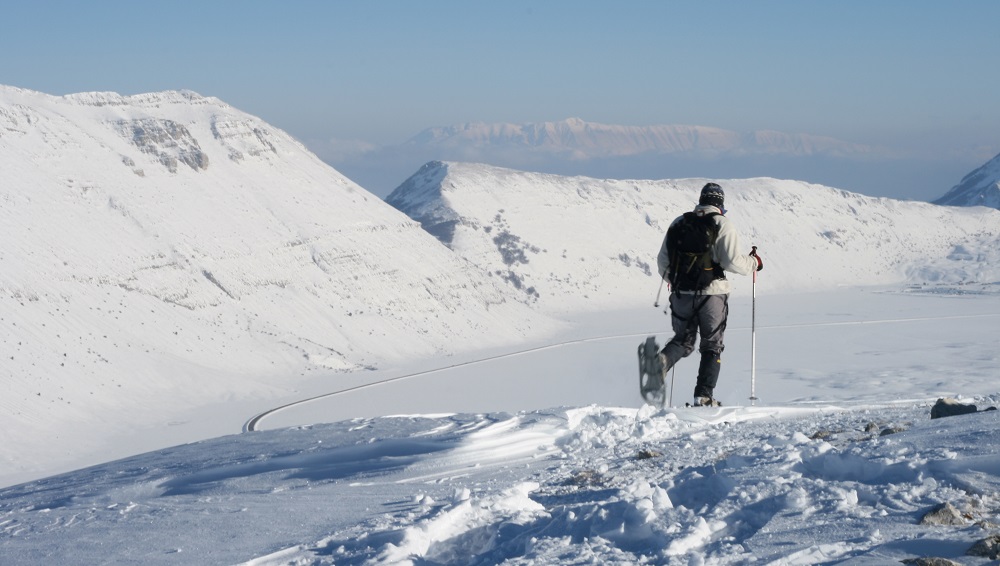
x,y
166,250
979,188
579,139
574,147
165,257
569,243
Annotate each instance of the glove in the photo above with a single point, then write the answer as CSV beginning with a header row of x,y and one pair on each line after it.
x,y
760,262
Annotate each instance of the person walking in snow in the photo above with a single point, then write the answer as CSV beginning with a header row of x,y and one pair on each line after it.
x,y
698,250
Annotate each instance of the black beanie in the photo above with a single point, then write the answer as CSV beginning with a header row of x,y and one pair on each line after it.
x,y
712,195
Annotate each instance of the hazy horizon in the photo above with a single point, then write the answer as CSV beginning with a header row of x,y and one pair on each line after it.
x,y
880,173
911,76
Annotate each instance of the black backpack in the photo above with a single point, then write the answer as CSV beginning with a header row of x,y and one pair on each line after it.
x,y
689,246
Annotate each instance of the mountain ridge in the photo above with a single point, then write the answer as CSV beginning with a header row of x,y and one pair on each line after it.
x,y
981,187
176,234
598,241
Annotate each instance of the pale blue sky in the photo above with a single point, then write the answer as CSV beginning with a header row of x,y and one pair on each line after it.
x,y
909,74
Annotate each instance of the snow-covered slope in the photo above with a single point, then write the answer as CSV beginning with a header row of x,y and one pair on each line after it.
x,y
584,486
166,250
570,243
979,188
587,140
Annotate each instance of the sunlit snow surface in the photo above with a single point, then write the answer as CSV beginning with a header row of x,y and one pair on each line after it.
x,y
580,485
805,477
173,269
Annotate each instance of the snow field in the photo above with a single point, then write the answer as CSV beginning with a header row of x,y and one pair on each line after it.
x,y
724,486
198,267
847,346
804,478
726,492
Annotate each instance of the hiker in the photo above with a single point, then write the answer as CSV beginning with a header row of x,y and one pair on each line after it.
x,y
699,297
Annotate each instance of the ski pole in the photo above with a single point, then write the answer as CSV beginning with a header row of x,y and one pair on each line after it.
x,y
673,371
753,335
656,304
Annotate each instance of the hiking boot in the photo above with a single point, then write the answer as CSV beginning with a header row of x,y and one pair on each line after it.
x,y
705,402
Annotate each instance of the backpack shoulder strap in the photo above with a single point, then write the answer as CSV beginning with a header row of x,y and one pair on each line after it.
x,y
715,225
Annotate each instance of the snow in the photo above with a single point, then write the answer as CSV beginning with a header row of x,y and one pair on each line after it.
x,y
592,251
498,427
803,477
979,188
162,254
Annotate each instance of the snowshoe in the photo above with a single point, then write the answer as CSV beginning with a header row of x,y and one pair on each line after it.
x,y
651,383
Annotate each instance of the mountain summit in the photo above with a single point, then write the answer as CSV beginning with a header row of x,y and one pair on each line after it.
x,y
169,242
979,188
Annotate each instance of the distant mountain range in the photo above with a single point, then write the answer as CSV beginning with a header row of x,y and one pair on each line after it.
x,y
979,188
578,147
579,139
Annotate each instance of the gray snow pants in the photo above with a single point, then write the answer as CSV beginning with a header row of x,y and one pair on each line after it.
x,y
691,315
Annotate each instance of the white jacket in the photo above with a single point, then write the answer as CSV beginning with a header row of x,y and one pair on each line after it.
x,y
728,253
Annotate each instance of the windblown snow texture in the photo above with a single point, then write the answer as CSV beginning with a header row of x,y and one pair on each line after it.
x,y
590,485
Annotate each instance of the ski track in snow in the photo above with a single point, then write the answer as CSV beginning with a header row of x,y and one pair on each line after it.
x,y
252,424
255,421
800,483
